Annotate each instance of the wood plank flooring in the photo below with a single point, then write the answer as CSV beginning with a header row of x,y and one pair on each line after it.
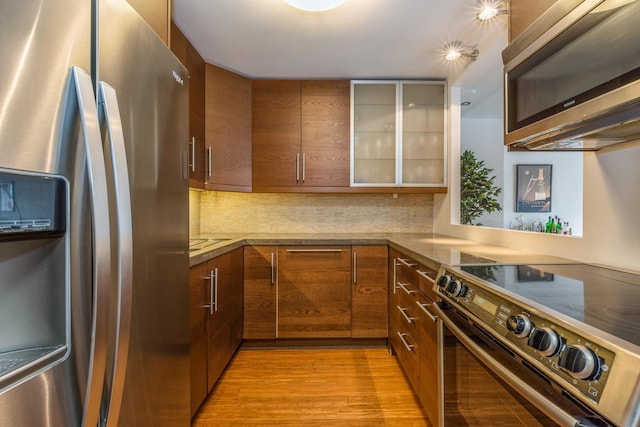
x,y
312,387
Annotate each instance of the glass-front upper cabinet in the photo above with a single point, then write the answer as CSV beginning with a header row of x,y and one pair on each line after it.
x,y
398,133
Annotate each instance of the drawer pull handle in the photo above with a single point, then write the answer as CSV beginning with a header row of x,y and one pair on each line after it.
x,y
404,341
433,318
404,314
424,274
407,290
313,250
406,262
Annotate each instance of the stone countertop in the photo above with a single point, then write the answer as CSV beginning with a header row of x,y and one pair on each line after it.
x,y
432,250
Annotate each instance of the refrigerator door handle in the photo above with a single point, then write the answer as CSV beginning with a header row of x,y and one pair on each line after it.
x,y
115,149
100,240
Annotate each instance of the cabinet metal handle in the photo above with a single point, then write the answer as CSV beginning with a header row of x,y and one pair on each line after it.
x,y
433,318
297,167
424,274
210,161
355,267
193,154
213,291
406,262
404,314
395,275
403,286
304,167
404,341
272,269
313,250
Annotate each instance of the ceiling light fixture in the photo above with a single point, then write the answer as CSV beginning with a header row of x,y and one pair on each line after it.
x,y
315,5
456,50
489,9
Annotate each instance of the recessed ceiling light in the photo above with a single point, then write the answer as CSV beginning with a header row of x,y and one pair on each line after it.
x,y
315,5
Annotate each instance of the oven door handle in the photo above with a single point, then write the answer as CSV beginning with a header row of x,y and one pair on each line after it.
x,y
552,410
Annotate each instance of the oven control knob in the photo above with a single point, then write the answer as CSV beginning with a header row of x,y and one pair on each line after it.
x,y
456,288
580,362
443,280
520,325
545,340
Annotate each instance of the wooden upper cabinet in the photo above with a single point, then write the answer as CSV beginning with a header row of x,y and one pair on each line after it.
x,y
156,13
300,135
195,64
523,12
228,130
325,132
276,133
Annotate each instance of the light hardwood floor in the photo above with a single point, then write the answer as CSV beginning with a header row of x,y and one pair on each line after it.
x,y
311,387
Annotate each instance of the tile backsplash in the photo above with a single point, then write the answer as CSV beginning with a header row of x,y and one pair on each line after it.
x,y
225,212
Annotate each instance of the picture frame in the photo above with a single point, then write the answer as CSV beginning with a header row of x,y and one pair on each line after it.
x,y
533,188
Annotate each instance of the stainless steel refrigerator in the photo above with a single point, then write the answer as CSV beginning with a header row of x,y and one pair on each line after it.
x,y
93,219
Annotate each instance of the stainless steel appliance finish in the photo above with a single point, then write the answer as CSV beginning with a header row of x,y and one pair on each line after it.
x,y
572,79
101,104
575,326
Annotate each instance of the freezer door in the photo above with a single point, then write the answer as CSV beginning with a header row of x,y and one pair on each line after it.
x,y
40,132
152,93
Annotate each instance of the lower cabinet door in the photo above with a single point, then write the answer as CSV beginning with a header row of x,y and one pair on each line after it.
x,y
198,314
314,292
260,287
428,337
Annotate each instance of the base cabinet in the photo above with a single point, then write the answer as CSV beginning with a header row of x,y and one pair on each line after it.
x,y
369,293
260,292
413,328
315,292
216,296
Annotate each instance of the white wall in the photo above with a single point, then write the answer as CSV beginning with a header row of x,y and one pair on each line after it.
x,y
483,136
611,228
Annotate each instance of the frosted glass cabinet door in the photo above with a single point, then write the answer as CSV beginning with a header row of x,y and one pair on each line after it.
x,y
423,132
374,133
398,133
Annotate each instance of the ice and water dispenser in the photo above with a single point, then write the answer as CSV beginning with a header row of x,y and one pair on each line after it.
x,y
34,282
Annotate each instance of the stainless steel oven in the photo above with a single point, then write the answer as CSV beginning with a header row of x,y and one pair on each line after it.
x,y
539,346
484,385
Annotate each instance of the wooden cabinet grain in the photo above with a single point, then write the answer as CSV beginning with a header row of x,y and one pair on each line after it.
x,y
227,130
260,292
369,315
300,135
216,297
198,313
413,329
195,64
157,14
314,292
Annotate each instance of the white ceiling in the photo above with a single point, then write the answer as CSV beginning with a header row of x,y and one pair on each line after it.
x,y
361,39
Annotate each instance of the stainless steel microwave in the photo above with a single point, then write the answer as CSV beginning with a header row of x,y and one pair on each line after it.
x,y
572,78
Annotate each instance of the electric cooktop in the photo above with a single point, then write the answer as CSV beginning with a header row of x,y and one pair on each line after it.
x,y
606,299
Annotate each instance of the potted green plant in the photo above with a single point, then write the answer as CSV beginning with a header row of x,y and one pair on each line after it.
x,y
477,193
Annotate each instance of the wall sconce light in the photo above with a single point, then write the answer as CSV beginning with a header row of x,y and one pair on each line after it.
x,y
314,5
456,50
489,9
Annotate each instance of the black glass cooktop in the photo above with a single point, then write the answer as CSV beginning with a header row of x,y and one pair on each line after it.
x,y
606,299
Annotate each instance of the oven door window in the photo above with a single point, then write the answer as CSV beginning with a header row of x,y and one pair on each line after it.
x,y
475,396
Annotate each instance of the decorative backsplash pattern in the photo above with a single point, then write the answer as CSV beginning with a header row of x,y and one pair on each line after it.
x,y
223,212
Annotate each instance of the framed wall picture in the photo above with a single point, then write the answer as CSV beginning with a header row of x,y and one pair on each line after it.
x,y
533,188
